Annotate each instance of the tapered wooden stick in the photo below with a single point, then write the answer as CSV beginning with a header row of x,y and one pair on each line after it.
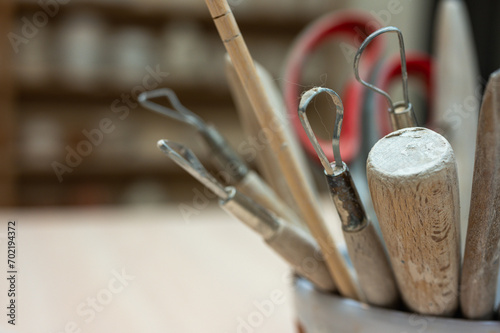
x,y
413,183
267,161
303,193
456,105
482,248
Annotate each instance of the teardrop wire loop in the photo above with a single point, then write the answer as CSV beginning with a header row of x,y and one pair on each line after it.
x,y
306,98
187,160
404,73
179,111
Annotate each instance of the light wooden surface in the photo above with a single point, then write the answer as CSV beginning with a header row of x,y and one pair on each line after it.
x,y
303,193
195,275
374,273
482,249
457,95
253,186
373,270
266,160
413,183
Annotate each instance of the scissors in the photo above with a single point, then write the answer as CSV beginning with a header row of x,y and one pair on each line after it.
x,y
353,25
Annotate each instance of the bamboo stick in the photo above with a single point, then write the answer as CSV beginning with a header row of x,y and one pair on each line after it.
x,y
303,193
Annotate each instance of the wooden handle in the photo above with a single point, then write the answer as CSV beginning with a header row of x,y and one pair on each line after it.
x,y
301,252
367,254
254,187
413,183
293,244
372,267
276,101
257,149
304,195
482,248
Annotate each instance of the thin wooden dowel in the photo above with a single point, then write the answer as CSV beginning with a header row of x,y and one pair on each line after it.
x,y
303,193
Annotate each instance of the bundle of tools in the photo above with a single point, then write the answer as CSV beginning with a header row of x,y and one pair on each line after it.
x,y
413,173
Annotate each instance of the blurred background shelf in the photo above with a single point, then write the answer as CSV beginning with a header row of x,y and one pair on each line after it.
x,y
8,123
216,93
251,14
89,59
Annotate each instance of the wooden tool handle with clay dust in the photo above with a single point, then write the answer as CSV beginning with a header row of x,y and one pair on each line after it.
x,y
413,183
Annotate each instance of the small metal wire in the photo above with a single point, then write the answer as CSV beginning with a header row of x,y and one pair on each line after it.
x,y
221,150
404,73
306,98
180,112
187,160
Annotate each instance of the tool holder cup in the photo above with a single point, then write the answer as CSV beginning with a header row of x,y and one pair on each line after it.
x,y
319,312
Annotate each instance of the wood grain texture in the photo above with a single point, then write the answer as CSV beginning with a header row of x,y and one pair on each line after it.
x,y
254,187
303,193
482,248
374,272
413,183
456,102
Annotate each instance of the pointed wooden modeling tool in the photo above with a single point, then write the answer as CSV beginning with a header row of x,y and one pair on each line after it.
x,y
482,248
267,161
457,85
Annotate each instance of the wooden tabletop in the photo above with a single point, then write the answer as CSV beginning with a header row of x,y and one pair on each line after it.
x,y
142,269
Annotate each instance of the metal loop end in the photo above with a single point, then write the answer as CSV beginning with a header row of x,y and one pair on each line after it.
x,y
404,73
179,111
306,98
